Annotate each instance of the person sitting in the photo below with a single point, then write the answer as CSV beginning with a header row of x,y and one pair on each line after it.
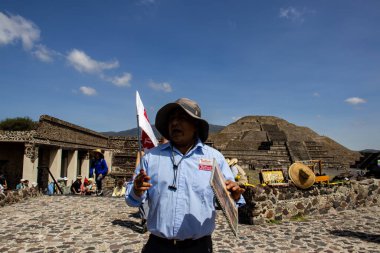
x,y
62,182
83,186
26,183
75,187
1,189
20,185
119,190
3,182
91,187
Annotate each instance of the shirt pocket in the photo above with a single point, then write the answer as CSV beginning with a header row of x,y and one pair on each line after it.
x,y
202,188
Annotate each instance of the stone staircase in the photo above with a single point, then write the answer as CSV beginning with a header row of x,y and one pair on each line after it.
x,y
297,151
318,152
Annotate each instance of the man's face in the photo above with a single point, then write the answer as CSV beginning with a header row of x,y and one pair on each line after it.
x,y
182,128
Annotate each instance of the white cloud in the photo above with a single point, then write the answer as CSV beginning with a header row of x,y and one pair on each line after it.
x,y
165,87
355,101
84,63
292,14
123,80
236,118
88,91
43,53
14,28
316,94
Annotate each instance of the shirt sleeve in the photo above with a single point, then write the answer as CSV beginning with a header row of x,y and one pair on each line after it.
x,y
227,173
104,167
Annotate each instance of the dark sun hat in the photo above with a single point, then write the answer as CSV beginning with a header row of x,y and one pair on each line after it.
x,y
191,108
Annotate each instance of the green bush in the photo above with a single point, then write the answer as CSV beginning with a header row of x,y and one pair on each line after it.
x,y
18,124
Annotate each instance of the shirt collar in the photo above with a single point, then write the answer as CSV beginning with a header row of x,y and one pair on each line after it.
x,y
198,146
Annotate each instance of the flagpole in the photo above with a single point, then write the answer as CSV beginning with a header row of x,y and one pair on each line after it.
x,y
138,136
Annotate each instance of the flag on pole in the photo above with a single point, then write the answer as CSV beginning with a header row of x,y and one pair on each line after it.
x,y
148,139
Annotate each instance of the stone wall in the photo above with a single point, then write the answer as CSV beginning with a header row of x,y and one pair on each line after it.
x,y
69,135
11,197
124,150
266,203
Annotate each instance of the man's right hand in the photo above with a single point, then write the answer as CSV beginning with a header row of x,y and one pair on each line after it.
x,y
140,184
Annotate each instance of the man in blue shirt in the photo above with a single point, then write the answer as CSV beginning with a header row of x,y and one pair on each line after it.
x,y
99,166
175,178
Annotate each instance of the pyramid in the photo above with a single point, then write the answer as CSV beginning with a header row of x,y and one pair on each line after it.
x,y
259,141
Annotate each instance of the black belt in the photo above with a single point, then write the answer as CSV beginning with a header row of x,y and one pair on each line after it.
x,y
179,243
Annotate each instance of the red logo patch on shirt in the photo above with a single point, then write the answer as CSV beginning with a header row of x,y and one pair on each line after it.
x,y
205,164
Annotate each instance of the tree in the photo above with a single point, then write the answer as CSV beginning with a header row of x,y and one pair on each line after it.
x,y
18,124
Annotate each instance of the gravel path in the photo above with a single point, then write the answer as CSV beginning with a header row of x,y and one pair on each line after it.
x,y
104,224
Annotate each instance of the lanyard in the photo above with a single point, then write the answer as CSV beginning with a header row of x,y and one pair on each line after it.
x,y
173,186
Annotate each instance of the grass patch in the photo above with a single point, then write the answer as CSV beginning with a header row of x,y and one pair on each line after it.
x,y
299,218
274,222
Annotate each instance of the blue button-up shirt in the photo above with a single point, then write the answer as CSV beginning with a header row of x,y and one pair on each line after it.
x,y
189,211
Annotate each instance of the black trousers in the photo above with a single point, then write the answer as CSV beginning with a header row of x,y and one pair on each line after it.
x,y
98,183
160,245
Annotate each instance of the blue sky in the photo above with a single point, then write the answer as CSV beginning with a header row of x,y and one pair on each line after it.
x,y
312,63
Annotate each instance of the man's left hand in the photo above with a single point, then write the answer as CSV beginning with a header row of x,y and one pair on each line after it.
x,y
235,189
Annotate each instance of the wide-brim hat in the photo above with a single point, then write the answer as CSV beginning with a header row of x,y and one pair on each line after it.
x,y
301,175
233,161
191,108
98,150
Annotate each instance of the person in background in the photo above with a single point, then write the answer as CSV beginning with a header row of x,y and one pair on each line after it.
x,y
63,185
99,166
26,183
83,186
3,182
20,185
119,190
175,179
75,187
237,171
91,187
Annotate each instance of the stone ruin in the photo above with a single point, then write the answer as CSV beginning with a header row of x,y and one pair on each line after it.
x,y
259,141
124,157
266,204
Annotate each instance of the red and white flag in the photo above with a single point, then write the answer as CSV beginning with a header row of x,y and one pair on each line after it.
x,y
148,139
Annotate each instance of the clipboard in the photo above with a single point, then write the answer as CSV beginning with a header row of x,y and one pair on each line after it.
x,y
224,198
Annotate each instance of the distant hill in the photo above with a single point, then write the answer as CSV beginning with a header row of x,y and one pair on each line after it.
x,y
133,132
370,151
